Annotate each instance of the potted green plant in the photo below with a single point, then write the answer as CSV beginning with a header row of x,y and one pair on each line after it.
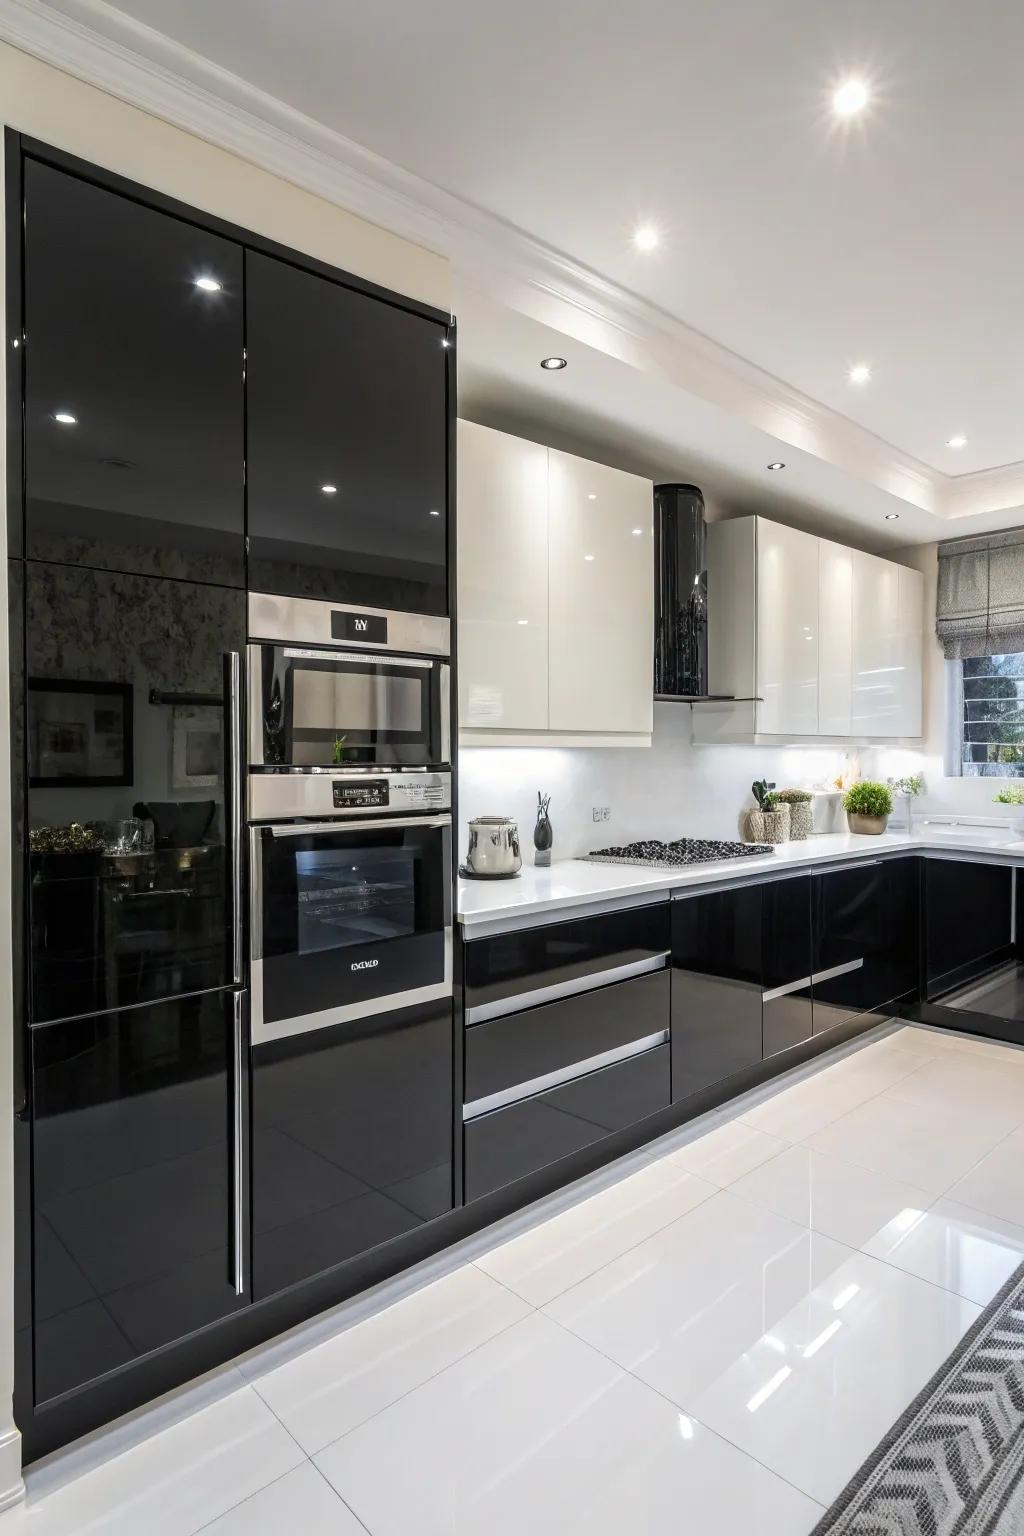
x,y
800,813
868,806
907,788
770,822
1013,794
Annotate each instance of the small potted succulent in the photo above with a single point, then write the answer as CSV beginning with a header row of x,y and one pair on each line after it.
x,y
770,822
868,806
800,813
1013,794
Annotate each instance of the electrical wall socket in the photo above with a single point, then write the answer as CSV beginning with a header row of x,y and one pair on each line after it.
x,y
602,813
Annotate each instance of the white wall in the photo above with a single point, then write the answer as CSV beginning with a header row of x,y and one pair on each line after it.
x,y
54,107
673,789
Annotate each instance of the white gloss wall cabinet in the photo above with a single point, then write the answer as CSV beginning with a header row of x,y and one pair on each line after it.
x,y
787,630
555,597
835,638
503,581
814,640
601,598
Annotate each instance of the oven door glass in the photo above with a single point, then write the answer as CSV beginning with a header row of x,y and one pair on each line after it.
x,y
318,709
349,920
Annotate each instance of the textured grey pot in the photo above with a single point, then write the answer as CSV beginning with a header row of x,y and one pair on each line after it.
x,y
801,819
867,824
768,826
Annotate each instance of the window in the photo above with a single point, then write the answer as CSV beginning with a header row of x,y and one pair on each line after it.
x,y
992,716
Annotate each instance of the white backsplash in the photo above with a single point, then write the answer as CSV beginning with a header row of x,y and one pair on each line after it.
x,y
672,789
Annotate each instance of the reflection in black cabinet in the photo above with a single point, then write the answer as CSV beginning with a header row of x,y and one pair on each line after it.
x,y
865,938
132,1185
133,385
786,948
125,707
352,1140
346,451
716,987
967,910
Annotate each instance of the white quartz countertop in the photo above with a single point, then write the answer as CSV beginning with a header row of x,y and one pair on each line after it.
x,y
490,905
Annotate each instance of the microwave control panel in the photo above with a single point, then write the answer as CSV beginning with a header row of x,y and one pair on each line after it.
x,y
367,795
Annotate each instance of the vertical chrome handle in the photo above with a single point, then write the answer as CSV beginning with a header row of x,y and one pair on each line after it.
x,y
446,713
237,1166
233,803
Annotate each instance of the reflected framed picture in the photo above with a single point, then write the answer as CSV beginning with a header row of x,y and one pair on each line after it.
x,y
79,733
197,753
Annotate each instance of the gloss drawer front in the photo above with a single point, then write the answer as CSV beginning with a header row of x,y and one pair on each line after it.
x,y
523,1047
528,1136
532,965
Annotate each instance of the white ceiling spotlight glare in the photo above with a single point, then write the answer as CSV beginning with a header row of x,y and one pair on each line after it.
x,y
850,98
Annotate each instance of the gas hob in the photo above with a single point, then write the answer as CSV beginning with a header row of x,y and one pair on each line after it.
x,y
684,850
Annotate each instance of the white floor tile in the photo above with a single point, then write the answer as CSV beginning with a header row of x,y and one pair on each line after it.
x,y
542,1262
344,1380
726,1152
172,1484
830,1195
996,1183
962,1250
302,1503
918,1144
875,1067
807,1107
963,1083
678,1309
813,1399
536,1433
999,1051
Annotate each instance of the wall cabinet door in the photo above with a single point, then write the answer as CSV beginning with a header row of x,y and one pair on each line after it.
x,y
878,690
503,580
786,949
716,987
134,1241
835,644
911,650
344,390
146,475
787,630
601,603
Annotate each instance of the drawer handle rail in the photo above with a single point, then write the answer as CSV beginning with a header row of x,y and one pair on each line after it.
x,y
535,1085
785,989
837,970
501,1006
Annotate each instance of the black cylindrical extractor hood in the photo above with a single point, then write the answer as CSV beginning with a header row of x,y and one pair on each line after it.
x,y
680,593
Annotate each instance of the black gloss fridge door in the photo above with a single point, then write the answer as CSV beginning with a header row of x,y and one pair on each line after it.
x,y
346,443
134,856
133,385
352,1140
138,1229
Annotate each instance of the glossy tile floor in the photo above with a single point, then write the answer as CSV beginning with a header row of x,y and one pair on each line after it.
x,y
716,1332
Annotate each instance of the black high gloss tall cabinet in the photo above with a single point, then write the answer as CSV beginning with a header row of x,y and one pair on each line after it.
x,y
133,385
346,443
716,987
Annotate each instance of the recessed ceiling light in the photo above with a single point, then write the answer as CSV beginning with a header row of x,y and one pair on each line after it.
x,y
637,532
956,441
891,517
646,237
588,557
776,464
591,495
850,98
209,284
551,363
329,490
860,373
65,418
522,621
434,512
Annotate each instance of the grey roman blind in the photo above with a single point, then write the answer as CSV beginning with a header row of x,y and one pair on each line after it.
x,y
979,610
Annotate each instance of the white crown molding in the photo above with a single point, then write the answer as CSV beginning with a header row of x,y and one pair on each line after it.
x,y
95,42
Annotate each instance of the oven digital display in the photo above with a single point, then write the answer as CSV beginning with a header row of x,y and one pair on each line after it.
x,y
370,793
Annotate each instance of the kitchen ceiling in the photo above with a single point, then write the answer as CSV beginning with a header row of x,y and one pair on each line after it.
x,y
802,243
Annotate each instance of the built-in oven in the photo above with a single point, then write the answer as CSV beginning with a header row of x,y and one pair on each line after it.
x,y
336,688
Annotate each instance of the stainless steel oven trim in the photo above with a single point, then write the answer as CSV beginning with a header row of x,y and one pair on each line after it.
x,y
387,659
446,713
481,1012
281,797
535,1085
306,620
309,1023
377,824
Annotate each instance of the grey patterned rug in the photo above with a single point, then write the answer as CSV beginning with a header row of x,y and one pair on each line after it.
x,y
953,1465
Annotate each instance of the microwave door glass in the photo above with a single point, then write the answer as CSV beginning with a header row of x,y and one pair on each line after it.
x,y
337,711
